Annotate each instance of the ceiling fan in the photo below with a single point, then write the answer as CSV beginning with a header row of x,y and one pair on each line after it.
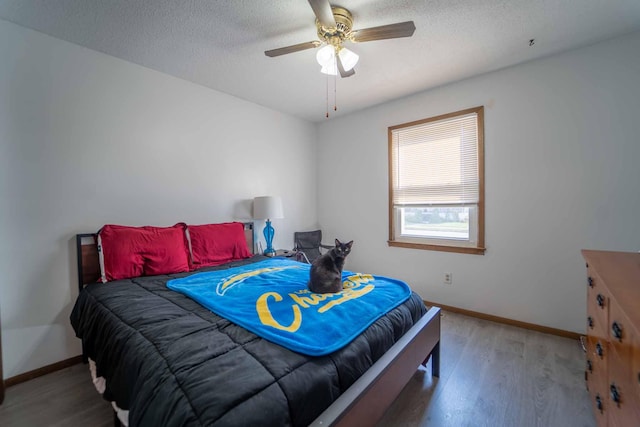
x,y
335,26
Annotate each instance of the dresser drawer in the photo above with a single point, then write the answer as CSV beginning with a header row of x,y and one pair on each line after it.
x,y
597,307
613,338
600,406
596,327
623,402
596,365
621,335
597,352
635,372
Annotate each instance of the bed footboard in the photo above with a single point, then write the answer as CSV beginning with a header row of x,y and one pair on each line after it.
x,y
368,398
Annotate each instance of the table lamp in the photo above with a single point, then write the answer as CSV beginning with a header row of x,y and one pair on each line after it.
x,y
268,207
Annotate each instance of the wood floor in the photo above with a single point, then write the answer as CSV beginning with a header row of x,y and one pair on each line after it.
x,y
491,375
497,375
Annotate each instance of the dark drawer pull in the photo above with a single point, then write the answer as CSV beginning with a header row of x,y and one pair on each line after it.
x,y
599,404
590,281
616,329
615,394
590,321
589,366
600,300
599,350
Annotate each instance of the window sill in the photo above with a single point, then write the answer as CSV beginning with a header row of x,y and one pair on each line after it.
x,y
441,248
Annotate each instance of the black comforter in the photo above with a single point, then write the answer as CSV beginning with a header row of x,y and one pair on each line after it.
x,y
172,362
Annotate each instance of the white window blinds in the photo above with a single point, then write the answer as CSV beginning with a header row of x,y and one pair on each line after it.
x,y
435,163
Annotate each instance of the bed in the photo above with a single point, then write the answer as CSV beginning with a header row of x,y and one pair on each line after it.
x,y
168,360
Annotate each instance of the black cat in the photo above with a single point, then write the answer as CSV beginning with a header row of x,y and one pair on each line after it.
x,y
326,270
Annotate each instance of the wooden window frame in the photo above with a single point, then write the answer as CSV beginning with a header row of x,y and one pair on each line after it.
x,y
479,247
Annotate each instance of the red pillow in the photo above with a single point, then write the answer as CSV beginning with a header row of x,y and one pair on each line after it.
x,y
215,244
127,252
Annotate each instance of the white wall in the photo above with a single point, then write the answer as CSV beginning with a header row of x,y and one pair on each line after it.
x,y
562,174
87,139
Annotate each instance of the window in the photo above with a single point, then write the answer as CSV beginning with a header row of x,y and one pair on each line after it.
x,y
436,183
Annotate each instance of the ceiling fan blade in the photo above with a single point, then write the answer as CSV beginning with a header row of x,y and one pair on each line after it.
x,y
290,49
341,69
391,31
322,10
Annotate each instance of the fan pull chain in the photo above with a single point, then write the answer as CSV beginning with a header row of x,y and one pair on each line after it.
x,y
327,100
335,92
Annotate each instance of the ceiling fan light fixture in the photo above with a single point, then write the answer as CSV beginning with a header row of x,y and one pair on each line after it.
x,y
334,26
332,70
326,56
348,58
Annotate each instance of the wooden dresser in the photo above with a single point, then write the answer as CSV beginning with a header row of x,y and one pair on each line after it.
x,y
613,337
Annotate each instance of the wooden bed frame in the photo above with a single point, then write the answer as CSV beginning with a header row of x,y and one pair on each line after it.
x,y
365,402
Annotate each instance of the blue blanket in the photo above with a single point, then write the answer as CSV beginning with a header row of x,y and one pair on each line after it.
x,y
270,298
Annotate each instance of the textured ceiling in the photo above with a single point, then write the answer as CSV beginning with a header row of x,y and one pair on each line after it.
x,y
220,43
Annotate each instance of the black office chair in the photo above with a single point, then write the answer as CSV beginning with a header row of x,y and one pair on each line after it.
x,y
307,245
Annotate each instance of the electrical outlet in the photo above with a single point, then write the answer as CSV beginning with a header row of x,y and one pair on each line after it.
x,y
448,278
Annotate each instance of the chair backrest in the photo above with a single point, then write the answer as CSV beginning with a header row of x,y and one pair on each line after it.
x,y
308,242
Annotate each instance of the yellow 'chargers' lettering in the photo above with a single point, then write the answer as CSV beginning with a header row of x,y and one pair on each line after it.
x,y
312,299
243,276
347,295
262,307
353,287
228,283
357,279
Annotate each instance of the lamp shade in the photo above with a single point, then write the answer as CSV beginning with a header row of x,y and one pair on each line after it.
x,y
267,207
326,55
348,58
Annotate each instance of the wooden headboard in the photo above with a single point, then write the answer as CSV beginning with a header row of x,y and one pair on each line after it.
x,y
89,263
